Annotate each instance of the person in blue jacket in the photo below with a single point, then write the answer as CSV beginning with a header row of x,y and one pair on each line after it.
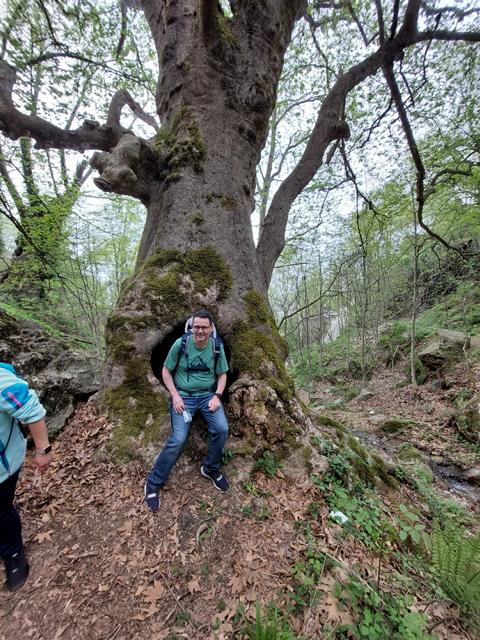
x,y
17,404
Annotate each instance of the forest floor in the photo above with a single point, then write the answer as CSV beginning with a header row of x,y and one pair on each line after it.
x,y
104,568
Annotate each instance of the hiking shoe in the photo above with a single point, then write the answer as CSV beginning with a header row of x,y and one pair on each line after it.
x,y
17,569
219,481
151,497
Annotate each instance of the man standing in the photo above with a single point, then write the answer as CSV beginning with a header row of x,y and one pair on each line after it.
x,y
17,403
195,376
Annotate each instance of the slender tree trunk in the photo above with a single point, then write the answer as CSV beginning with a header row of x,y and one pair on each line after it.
x,y
413,374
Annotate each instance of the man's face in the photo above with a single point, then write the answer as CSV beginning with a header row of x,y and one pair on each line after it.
x,y
201,331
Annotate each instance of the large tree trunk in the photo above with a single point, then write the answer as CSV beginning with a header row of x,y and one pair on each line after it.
x,y
197,180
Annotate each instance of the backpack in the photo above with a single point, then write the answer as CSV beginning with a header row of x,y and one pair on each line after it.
x,y
214,337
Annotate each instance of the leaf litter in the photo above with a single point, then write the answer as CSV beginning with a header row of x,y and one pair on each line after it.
x,y
104,567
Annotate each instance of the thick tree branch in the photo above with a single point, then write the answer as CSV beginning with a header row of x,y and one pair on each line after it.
x,y
15,124
447,36
330,126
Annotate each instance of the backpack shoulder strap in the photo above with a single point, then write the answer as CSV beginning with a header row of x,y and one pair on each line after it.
x,y
217,345
183,348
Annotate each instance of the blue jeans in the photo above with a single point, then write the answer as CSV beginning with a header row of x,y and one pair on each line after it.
x,y
217,429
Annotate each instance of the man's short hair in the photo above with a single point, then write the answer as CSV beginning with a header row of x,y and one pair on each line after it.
x,y
203,313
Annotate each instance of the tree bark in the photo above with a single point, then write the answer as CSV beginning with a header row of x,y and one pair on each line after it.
x,y
217,89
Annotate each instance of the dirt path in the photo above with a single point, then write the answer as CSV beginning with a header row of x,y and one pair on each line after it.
x,y
104,568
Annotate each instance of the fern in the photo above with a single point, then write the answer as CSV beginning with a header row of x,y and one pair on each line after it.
x,y
456,563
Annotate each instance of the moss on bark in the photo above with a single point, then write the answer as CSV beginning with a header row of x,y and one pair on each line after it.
x,y
138,408
160,293
181,144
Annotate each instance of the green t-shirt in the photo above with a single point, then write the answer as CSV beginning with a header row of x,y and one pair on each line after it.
x,y
196,382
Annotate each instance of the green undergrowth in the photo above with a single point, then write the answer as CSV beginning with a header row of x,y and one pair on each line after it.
x,y
410,563
341,359
43,320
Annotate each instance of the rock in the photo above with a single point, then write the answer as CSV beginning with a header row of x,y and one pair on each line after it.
x,y
475,342
409,453
61,376
448,347
377,419
450,338
472,475
439,385
364,394
303,395
394,425
467,420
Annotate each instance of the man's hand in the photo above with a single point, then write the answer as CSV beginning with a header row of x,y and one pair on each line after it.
x,y
214,403
43,461
177,402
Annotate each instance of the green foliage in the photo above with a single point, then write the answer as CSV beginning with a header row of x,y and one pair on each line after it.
x,y
456,563
269,625
306,575
394,340
411,529
458,310
378,615
268,464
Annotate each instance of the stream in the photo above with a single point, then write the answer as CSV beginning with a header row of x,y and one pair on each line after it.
x,y
449,475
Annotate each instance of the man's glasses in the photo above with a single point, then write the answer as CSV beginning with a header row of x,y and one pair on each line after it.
x,y
198,329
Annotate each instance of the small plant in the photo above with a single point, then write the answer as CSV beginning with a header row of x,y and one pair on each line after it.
x,y
378,615
263,514
268,464
314,509
411,528
250,487
182,618
227,455
269,626
456,563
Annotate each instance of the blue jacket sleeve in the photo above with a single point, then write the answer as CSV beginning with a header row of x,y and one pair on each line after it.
x,y
17,400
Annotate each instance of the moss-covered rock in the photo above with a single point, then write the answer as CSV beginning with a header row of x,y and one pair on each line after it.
x,y
395,425
409,453
468,421
327,421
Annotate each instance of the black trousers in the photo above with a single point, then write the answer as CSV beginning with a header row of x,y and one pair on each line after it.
x,y
10,525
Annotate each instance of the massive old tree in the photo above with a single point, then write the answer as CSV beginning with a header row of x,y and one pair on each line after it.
x,y
219,66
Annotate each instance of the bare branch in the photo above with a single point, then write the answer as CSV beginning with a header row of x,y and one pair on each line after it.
x,y
417,160
380,20
16,124
358,23
393,28
15,195
456,11
123,29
